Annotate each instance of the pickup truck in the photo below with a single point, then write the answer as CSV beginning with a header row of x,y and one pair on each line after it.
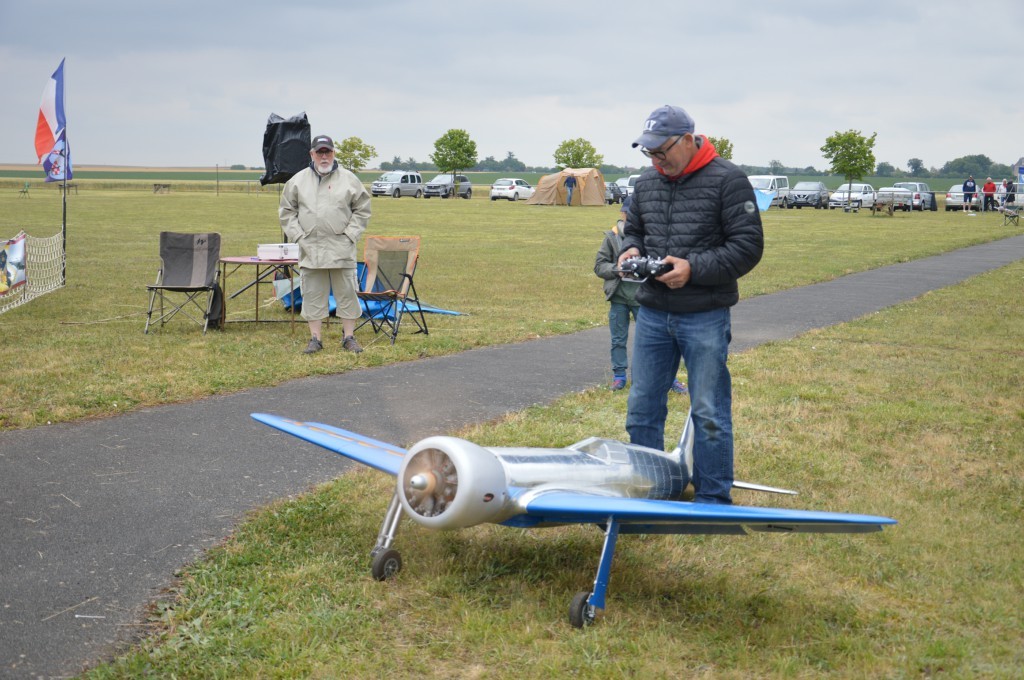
x,y
892,199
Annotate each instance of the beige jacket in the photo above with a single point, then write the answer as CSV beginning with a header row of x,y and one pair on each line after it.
x,y
325,216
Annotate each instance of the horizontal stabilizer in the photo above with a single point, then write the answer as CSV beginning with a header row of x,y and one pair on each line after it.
x,y
378,455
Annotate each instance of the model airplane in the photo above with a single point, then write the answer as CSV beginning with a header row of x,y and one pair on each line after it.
x,y
450,483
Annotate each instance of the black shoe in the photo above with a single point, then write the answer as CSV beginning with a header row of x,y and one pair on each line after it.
x,y
313,346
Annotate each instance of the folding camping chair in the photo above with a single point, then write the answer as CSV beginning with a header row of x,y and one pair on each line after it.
x,y
1011,215
188,269
389,292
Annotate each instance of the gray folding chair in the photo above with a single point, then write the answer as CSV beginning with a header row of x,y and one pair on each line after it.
x,y
188,271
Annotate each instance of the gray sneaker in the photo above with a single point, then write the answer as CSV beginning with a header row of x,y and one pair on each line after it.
x,y
313,346
351,344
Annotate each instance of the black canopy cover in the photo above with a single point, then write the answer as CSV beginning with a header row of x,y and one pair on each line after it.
x,y
285,147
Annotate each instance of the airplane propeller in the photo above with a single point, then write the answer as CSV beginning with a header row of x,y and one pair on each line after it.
x,y
431,482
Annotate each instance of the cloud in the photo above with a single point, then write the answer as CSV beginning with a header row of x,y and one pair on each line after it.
x,y
192,83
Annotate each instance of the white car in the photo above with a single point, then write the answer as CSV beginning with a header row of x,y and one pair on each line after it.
x,y
511,188
852,196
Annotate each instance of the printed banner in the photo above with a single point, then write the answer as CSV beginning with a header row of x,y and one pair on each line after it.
x,y
12,265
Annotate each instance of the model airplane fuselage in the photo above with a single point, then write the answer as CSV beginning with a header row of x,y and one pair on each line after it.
x,y
450,483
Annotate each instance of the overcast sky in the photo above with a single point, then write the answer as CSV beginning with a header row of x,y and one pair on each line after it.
x,y
189,83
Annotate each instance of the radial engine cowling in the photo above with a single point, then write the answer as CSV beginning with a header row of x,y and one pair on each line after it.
x,y
450,483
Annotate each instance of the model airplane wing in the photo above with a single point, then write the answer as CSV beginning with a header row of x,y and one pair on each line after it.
x,y
639,515
378,455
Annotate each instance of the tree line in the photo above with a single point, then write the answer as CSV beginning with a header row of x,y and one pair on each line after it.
x,y
850,154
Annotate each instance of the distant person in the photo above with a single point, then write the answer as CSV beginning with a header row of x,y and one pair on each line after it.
x,y
988,191
324,209
1001,195
696,212
621,295
969,188
570,184
1011,195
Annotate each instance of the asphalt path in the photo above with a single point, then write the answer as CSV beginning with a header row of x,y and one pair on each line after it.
x,y
96,517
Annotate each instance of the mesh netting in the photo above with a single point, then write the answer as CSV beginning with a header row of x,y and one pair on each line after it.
x,y
44,271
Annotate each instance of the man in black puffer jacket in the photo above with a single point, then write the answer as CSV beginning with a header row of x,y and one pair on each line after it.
x,y
697,212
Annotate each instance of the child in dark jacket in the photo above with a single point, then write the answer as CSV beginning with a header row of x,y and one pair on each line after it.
x,y
621,295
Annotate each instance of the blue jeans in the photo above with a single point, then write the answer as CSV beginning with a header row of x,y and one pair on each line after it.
x,y
702,339
618,322
568,193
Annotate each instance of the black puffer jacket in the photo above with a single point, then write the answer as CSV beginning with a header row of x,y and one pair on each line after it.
x,y
708,217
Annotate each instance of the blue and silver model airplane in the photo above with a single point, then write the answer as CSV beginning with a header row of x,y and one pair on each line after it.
x,y
450,483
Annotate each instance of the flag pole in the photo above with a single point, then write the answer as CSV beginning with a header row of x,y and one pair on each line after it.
x,y
64,186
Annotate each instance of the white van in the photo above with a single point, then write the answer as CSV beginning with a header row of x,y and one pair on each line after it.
x,y
398,183
769,183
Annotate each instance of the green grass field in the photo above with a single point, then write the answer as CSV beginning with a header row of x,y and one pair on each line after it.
x,y
914,412
518,271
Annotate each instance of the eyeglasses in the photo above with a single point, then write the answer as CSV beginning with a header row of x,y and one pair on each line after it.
x,y
660,155
324,152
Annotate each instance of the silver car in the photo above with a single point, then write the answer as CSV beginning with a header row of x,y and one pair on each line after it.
x,y
444,185
398,183
812,194
955,198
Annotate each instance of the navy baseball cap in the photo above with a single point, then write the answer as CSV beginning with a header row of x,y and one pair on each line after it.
x,y
322,142
664,122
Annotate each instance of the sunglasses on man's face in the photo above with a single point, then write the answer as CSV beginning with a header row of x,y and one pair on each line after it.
x,y
324,152
660,154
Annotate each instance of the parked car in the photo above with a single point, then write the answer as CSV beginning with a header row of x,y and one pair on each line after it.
x,y
398,183
779,184
623,183
444,185
924,198
511,188
897,197
812,194
852,196
630,183
955,198
613,193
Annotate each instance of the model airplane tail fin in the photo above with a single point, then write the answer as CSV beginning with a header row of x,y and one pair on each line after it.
x,y
685,451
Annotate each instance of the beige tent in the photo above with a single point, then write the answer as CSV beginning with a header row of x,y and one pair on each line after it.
x,y
589,188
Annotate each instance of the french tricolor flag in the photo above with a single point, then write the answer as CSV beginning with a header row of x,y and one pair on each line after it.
x,y
51,137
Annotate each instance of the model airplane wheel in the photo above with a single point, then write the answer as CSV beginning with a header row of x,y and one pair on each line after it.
x,y
580,613
386,564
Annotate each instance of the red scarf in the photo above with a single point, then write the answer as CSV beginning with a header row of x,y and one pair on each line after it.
x,y
705,154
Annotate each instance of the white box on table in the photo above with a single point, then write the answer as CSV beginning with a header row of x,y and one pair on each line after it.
x,y
277,251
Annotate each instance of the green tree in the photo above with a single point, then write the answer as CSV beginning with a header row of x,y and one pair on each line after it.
x,y
916,167
775,167
577,153
512,164
850,153
454,151
885,170
354,154
723,146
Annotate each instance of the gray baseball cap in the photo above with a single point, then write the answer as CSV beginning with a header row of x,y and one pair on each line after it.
x,y
664,122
